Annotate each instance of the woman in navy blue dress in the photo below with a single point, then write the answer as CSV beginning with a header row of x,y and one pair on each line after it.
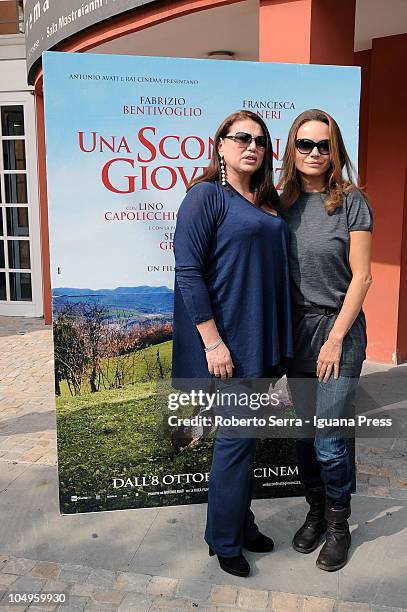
x,y
232,314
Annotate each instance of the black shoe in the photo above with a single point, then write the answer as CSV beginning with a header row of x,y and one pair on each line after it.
x,y
308,535
238,566
261,544
334,553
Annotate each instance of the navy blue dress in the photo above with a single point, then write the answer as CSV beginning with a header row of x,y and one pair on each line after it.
x,y
231,264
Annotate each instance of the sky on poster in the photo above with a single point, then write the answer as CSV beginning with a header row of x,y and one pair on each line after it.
x,y
91,252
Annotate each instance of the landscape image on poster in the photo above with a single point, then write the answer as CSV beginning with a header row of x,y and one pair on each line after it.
x,y
115,450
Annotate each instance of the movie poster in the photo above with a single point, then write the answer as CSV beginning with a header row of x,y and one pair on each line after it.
x,y
124,137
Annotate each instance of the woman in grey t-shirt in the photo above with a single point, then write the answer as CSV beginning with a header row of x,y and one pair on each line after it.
x,y
330,225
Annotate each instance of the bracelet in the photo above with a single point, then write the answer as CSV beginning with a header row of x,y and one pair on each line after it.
x,y
213,346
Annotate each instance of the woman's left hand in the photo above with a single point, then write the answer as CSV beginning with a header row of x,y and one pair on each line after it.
x,y
328,359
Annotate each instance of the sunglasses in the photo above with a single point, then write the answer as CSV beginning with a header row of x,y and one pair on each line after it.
x,y
304,145
243,139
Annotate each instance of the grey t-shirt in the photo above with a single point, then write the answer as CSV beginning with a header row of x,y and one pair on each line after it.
x,y
320,275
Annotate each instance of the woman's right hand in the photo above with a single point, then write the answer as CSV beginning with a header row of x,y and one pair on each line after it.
x,y
220,362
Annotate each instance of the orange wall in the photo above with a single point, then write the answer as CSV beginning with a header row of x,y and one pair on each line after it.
x,y
386,184
284,32
332,32
363,59
402,321
306,31
43,196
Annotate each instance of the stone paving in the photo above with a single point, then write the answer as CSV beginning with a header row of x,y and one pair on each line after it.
x,y
28,438
88,589
26,392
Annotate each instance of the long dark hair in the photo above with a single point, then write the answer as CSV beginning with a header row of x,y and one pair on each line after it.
x,y
335,183
265,194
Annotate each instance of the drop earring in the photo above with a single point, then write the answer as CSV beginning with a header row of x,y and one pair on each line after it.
x,y
223,171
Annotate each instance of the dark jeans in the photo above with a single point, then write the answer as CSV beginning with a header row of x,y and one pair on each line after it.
x,y
323,456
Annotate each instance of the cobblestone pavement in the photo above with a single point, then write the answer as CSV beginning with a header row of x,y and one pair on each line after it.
x,y
27,436
86,589
26,392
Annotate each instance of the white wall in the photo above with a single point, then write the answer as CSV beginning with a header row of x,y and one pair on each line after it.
x,y
13,74
377,19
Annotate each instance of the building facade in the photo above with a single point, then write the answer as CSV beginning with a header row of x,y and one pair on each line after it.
x,y
21,288
367,33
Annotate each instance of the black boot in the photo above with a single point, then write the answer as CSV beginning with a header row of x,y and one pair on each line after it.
x,y
238,566
334,553
261,544
308,535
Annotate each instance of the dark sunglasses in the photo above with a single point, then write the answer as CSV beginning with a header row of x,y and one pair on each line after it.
x,y
243,139
304,145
